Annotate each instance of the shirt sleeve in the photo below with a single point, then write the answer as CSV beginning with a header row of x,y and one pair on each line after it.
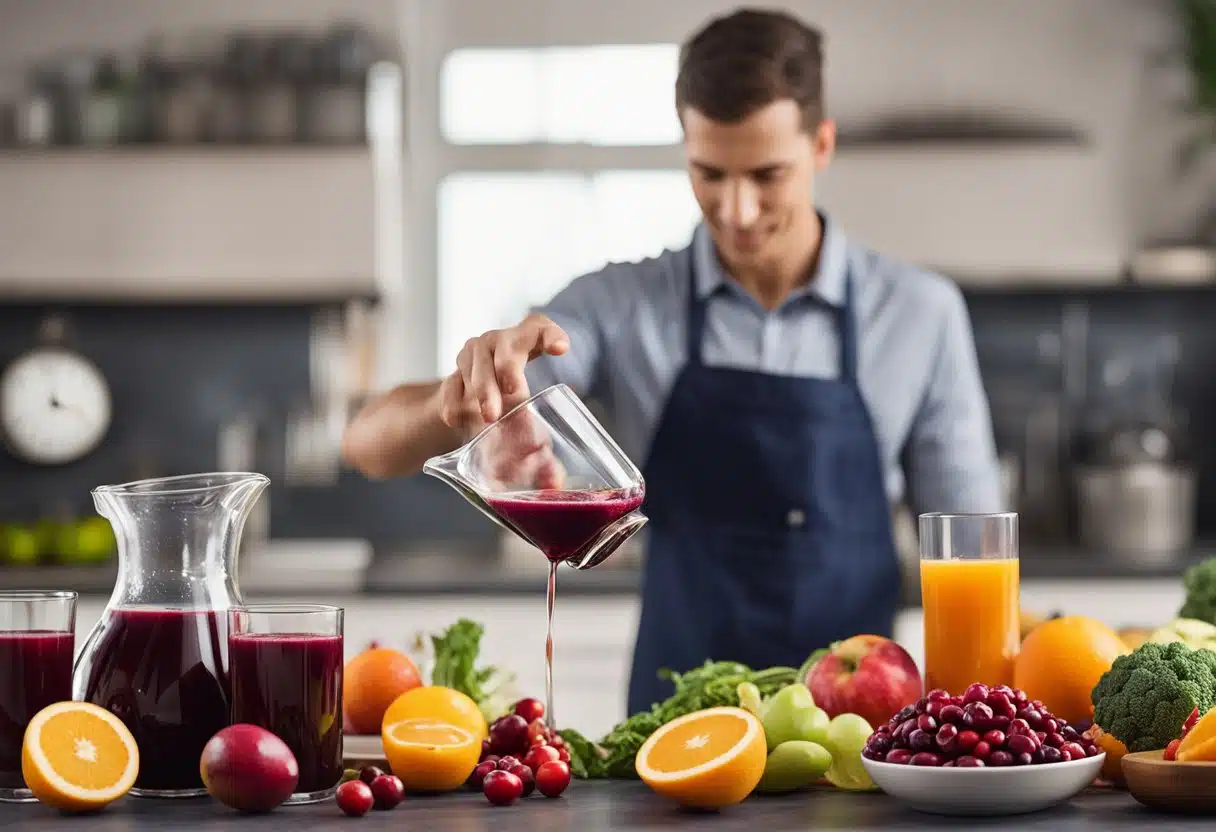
x,y
589,310
951,453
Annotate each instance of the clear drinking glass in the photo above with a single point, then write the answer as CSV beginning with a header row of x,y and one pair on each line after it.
x,y
285,666
37,643
970,594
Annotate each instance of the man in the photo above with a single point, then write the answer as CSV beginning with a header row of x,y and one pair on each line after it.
x,y
774,379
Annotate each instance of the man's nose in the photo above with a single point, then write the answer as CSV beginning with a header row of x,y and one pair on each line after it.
x,y
740,206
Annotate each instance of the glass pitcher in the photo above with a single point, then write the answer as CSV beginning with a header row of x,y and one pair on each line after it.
x,y
158,657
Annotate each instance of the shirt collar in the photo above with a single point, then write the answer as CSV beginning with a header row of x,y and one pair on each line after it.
x,y
827,285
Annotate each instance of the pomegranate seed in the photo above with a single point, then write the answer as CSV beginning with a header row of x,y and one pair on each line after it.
x,y
925,758
355,798
976,692
967,740
953,714
1050,754
1022,744
994,738
970,762
997,759
920,740
981,750
926,723
899,756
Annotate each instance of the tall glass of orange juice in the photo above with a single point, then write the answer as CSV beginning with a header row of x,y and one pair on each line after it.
x,y
970,595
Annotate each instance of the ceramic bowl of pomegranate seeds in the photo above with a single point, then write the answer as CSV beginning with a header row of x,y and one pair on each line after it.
x,y
988,751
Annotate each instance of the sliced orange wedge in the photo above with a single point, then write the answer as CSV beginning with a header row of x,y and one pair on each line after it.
x,y
706,759
429,755
78,757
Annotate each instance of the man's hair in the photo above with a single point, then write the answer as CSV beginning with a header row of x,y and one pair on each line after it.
x,y
742,62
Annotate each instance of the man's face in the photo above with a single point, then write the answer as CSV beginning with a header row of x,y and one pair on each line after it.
x,y
753,180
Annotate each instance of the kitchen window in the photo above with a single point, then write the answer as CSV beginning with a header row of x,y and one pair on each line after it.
x,y
557,160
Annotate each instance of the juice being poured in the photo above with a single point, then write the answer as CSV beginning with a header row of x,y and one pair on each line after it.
x,y
560,523
161,671
291,685
35,671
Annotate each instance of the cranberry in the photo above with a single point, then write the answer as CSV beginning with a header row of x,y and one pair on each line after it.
x,y
970,762
1073,751
1069,733
552,778
563,754
920,705
507,763
539,755
1041,736
952,713
369,773
1019,696
1023,759
1050,754
1034,718
994,738
870,754
527,777
938,693
899,756
904,714
490,758
976,692
485,748
555,740
388,791
1091,751
977,715
934,708
926,723
948,764
947,738
509,734
1001,705
998,759
880,743
530,709
355,798
957,700
479,773
502,788
920,740
967,740
1022,744
925,758
1003,690
1019,726
981,750
538,733
1037,756
1001,722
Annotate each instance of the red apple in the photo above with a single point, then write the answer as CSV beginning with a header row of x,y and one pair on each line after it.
x,y
248,768
866,675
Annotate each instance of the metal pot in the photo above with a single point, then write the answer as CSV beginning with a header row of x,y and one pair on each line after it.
x,y
1143,507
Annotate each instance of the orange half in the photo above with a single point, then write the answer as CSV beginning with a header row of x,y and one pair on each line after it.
x,y
78,757
430,755
707,759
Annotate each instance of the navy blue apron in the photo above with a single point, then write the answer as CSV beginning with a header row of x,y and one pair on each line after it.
x,y
770,527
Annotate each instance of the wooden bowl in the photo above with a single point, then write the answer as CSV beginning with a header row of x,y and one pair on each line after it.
x,y
1181,788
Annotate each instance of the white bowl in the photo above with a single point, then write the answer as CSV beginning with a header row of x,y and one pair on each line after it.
x,y
1009,790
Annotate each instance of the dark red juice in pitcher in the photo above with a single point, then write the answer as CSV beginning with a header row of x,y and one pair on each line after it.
x,y
560,523
35,671
291,685
161,671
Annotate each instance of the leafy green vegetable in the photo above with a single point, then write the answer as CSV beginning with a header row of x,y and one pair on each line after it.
x,y
455,667
1146,696
1200,584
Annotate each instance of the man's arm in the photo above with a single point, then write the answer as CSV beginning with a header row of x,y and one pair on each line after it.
x,y
950,456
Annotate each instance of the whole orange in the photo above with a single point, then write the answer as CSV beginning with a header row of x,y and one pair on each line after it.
x,y
1062,659
371,681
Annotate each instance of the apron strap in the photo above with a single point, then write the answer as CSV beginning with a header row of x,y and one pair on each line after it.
x,y
846,323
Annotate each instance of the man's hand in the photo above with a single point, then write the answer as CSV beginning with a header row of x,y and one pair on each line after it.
x,y
489,378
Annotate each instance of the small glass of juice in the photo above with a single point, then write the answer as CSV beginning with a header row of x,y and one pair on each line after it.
x,y
37,645
970,595
285,666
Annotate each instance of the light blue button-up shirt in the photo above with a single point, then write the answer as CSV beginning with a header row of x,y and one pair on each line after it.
x,y
917,366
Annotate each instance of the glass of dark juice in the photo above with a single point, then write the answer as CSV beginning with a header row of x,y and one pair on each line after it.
x,y
285,665
37,645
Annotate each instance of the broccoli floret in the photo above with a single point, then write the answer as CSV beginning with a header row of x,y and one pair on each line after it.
x,y
1146,695
1200,584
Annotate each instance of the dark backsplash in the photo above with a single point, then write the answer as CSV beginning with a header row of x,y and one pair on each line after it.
x,y
178,373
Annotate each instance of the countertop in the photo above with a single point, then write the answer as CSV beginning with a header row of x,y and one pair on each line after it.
x,y
588,807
